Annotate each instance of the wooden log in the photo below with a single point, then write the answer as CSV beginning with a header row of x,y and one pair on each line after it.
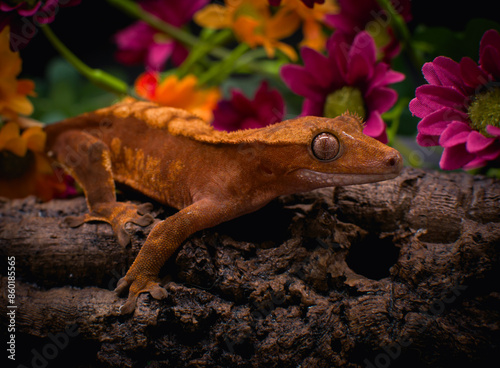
x,y
401,273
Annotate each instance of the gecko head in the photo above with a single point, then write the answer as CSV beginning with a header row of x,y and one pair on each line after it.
x,y
335,152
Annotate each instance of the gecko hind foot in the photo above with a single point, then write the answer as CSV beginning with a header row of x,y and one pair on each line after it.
x,y
136,287
117,215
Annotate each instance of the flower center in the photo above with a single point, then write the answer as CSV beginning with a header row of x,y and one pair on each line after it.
x,y
30,3
485,110
344,99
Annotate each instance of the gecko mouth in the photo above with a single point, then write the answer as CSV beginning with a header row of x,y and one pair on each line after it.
x,y
326,179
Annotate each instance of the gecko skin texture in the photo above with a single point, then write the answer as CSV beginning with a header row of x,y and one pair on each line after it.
x,y
210,176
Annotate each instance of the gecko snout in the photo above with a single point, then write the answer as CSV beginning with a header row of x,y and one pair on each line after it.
x,y
394,161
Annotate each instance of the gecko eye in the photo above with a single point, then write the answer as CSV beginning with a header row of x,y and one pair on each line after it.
x,y
325,147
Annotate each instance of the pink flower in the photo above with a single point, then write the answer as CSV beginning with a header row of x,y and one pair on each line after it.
x,y
25,16
349,78
140,43
366,15
267,107
460,107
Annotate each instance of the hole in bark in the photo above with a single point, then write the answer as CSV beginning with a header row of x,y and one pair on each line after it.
x,y
372,256
268,225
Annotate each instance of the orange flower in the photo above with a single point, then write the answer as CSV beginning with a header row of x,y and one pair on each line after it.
x,y
13,100
184,93
312,21
253,23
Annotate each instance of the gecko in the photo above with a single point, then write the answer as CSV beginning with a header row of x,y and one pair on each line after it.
x,y
208,176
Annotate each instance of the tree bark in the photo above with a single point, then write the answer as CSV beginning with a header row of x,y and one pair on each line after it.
x,y
402,273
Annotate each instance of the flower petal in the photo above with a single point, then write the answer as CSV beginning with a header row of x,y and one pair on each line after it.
x,y
157,55
312,107
472,75
382,76
489,52
433,98
493,130
319,66
375,127
300,81
35,138
436,122
426,140
9,131
477,142
475,163
490,61
443,71
381,99
455,133
455,157
213,16
361,57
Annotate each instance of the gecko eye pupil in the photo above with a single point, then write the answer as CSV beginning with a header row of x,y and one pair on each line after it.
x,y
325,146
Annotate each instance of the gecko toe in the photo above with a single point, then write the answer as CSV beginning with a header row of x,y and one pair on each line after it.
x,y
129,306
158,292
144,220
74,221
123,236
137,286
144,208
122,286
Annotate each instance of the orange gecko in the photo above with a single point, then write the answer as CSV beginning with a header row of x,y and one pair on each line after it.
x,y
210,176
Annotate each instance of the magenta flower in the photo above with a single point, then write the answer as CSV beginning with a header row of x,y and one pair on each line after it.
x,y
349,78
239,112
140,43
25,16
366,15
460,107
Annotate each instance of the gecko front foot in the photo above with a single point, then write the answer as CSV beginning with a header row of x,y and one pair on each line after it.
x,y
116,214
139,284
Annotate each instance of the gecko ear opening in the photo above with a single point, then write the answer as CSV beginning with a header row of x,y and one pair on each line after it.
x,y
325,147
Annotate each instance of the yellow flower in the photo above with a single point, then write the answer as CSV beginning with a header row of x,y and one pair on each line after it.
x,y
11,140
253,23
184,94
13,100
312,21
24,169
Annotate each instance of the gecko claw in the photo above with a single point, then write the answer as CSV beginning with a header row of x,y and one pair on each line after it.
x,y
145,208
74,221
116,214
138,286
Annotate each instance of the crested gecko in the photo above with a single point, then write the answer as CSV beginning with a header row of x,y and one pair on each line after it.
x,y
210,176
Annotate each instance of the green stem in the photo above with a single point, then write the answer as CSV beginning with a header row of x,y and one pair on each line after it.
x,y
178,34
219,71
202,49
186,38
402,32
97,76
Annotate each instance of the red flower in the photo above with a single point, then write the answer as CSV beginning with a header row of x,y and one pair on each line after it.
x,y
25,16
460,107
366,15
267,107
349,78
140,43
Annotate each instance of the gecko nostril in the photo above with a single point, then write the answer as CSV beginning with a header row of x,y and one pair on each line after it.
x,y
394,160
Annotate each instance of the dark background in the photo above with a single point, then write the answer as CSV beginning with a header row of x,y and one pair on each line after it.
x,y
87,29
